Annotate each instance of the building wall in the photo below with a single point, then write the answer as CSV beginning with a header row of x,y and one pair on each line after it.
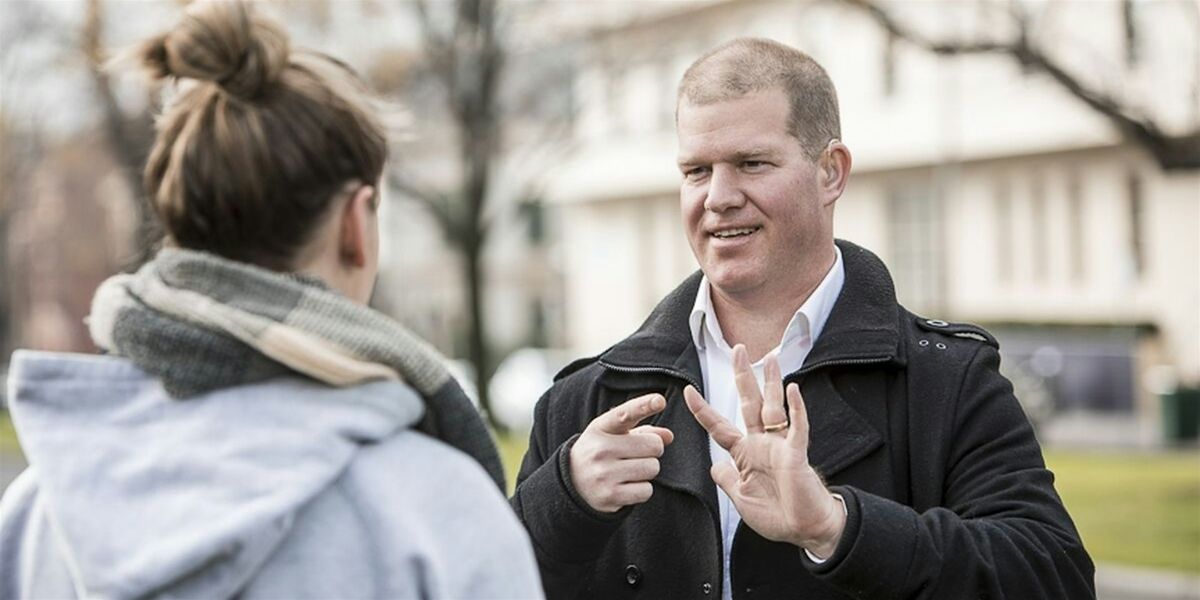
x,y
993,195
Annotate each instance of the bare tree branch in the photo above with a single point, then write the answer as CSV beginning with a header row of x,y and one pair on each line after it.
x,y
130,136
437,204
440,50
1129,23
1171,151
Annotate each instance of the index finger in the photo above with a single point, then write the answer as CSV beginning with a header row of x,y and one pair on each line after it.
x,y
625,416
722,431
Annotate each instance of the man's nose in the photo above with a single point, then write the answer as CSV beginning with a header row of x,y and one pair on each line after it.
x,y
724,191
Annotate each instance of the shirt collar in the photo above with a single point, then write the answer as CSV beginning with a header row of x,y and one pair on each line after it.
x,y
810,318
699,315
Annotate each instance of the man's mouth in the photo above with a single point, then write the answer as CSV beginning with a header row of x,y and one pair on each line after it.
x,y
725,234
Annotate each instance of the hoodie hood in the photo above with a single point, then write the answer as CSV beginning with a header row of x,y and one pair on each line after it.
x,y
149,495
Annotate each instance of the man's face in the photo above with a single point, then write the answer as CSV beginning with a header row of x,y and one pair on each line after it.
x,y
750,197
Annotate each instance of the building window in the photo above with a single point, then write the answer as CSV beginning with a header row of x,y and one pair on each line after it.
x,y
1076,228
1137,249
1087,368
889,65
1004,231
1039,227
615,100
914,232
666,93
533,211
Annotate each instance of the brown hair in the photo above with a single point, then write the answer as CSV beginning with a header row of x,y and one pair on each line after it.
x,y
259,137
746,65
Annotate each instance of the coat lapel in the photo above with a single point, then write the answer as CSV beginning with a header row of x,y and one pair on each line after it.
x,y
685,464
838,435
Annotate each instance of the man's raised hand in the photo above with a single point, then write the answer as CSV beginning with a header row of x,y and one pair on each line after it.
x,y
614,460
775,490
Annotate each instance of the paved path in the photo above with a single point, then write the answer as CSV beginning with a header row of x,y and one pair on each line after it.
x,y
1115,582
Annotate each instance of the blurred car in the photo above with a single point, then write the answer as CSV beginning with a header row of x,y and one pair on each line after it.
x,y
520,380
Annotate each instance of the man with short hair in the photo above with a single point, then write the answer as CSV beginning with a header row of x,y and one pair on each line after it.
x,y
896,462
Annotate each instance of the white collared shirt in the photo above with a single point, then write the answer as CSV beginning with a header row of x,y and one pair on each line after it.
x,y
716,364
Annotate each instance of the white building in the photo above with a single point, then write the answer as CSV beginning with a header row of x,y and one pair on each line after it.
x,y
992,194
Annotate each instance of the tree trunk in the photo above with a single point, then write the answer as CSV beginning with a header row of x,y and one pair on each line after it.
x,y
477,135
478,351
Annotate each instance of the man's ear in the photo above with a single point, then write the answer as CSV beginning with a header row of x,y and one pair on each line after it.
x,y
356,217
835,170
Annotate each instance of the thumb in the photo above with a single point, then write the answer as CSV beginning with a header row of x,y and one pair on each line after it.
x,y
667,435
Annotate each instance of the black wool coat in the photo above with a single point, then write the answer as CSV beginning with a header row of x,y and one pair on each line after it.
x,y
946,489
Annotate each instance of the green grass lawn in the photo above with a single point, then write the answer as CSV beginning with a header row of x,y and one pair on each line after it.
x,y
512,450
8,437
1133,508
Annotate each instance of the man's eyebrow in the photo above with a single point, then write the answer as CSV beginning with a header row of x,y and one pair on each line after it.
x,y
738,156
752,154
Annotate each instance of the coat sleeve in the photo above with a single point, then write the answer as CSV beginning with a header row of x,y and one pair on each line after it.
x,y
1001,532
567,534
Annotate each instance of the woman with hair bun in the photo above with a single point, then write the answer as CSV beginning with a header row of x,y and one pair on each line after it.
x,y
255,429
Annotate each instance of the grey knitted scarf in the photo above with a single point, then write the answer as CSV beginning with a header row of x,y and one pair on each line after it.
x,y
200,323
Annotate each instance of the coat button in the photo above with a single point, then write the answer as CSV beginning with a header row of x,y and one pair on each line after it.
x,y
706,588
633,575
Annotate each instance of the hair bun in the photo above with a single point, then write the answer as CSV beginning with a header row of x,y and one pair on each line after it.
x,y
223,42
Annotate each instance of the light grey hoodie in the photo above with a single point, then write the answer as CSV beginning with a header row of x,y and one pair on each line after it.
x,y
284,489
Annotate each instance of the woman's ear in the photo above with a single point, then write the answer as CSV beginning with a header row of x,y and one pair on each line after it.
x,y
356,218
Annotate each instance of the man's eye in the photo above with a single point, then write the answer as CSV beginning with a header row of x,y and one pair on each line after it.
x,y
695,173
753,165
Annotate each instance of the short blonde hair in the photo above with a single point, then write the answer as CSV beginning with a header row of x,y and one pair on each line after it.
x,y
746,65
260,137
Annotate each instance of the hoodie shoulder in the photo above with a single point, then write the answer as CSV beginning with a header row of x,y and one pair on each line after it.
x,y
410,517
15,508
30,558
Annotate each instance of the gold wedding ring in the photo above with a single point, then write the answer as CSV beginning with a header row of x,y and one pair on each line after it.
x,y
776,427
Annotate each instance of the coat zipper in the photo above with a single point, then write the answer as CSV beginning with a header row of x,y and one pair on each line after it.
x,y
806,369
660,370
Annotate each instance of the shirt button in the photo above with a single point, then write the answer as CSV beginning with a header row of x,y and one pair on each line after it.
x,y
633,575
706,588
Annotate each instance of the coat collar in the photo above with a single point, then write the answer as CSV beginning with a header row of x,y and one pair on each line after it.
x,y
863,325
862,328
